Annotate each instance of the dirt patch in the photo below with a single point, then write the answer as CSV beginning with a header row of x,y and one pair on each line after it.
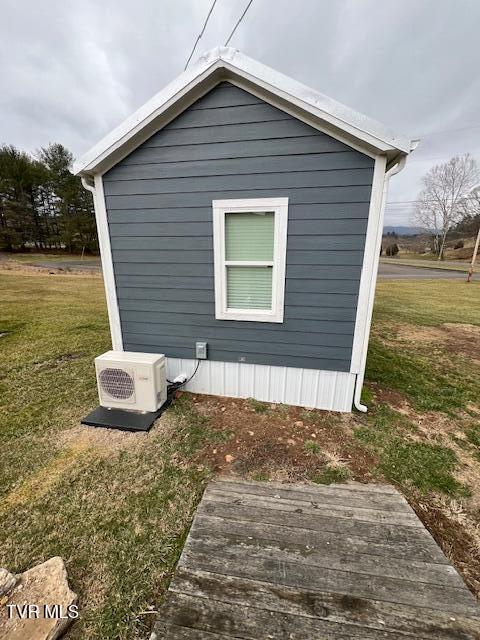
x,y
108,442
101,441
473,408
282,443
457,536
463,339
468,474
457,338
390,397
434,426
419,333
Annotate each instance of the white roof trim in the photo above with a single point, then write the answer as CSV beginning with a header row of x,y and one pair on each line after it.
x,y
325,112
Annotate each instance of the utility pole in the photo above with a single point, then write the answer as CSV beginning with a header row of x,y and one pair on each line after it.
x,y
474,257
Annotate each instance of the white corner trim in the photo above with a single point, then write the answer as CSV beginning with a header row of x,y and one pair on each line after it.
x,y
368,278
366,292
230,64
280,208
107,263
313,388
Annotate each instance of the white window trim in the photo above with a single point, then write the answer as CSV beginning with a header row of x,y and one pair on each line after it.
x,y
280,208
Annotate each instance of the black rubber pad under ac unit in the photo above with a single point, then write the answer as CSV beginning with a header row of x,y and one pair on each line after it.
x,y
123,420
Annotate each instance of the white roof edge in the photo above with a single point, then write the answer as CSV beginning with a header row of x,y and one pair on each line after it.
x,y
358,126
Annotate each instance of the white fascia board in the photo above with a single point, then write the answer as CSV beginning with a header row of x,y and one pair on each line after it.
x,y
231,63
317,104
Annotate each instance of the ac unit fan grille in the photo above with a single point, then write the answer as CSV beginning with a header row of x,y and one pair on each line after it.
x,y
117,383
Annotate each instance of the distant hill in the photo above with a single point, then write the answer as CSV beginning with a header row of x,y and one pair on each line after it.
x,y
402,231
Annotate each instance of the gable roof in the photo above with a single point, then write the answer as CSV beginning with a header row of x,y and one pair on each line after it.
x,y
225,63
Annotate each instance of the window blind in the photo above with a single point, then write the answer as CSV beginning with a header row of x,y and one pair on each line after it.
x,y
249,287
249,237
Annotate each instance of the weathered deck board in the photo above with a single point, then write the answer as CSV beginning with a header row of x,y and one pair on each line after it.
x,y
423,550
327,494
332,606
233,545
272,561
318,508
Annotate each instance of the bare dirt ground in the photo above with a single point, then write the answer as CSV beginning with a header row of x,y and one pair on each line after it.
x,y
281,442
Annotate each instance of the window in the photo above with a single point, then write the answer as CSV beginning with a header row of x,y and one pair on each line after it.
x,y
250,244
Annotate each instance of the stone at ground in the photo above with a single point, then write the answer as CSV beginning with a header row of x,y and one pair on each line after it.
x,y
7,581
45,584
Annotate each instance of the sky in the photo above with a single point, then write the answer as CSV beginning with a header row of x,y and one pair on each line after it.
x,y
71,71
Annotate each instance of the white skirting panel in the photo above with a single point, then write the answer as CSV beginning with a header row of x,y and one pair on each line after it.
x,y
329,390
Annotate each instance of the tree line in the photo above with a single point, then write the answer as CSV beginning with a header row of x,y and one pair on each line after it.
x,y
43,206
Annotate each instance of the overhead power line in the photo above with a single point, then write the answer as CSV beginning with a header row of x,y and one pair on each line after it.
x,y
201,33
238,22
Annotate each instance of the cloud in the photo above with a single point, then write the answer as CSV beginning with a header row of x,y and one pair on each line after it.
x,y
72,71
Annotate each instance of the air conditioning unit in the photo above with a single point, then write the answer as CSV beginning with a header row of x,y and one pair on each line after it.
x,y
129,380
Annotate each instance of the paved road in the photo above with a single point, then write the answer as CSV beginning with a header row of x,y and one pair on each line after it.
x,y
397,271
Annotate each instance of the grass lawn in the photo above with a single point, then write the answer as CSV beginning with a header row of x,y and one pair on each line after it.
x,y
117,506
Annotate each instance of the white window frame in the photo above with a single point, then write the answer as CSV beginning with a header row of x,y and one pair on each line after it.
x,y
279,206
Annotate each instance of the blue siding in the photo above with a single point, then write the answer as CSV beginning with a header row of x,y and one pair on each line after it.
x,y
230,144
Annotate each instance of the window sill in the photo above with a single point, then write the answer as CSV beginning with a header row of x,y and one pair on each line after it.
x,y
248,316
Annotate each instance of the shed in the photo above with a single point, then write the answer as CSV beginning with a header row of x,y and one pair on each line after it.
x,y
242,209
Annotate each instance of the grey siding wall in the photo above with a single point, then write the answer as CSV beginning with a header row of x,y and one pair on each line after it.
x,y
230,144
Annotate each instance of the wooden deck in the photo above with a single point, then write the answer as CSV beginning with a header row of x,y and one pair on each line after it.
x,y
297,562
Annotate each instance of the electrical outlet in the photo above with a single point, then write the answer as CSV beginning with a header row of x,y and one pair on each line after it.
x,y
201,350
